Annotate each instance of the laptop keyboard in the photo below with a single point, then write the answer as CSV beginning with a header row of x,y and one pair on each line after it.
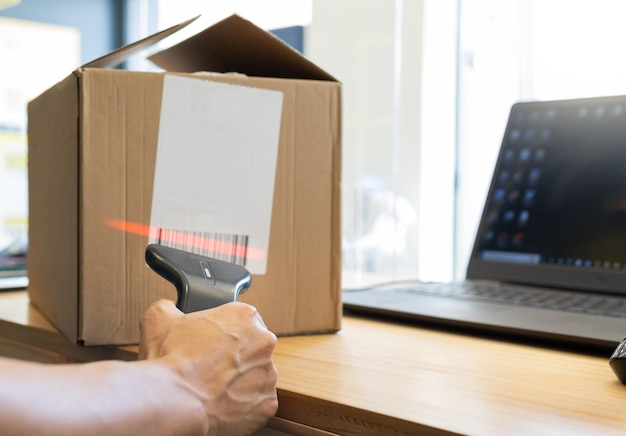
x,y
569,301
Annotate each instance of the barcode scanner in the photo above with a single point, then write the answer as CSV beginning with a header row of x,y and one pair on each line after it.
x,y
201,282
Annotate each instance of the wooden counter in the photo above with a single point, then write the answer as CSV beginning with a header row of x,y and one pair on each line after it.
x,y
377,377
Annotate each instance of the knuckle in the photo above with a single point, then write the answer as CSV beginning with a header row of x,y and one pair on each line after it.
x,y
270,340
247,309
273,375
155,310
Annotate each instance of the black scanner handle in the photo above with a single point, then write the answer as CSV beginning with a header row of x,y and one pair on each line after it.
x,y
201,282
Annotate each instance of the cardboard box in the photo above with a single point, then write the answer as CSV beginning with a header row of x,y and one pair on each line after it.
x,y
92,153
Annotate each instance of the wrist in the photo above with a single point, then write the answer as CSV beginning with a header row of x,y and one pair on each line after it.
x,y
178,395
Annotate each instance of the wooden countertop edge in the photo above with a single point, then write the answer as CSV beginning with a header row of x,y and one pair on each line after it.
x,y
342,419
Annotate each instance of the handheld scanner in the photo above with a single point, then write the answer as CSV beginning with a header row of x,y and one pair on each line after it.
x,y
201,282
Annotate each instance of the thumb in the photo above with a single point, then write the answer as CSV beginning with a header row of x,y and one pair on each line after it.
x,y
154,324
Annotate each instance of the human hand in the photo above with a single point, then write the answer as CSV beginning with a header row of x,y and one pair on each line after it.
x,y
223,354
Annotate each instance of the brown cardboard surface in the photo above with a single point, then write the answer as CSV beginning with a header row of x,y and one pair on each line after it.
x,y
117,164
235,45
93,140
53,205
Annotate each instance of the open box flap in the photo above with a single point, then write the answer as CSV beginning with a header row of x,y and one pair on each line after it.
x,y
121,54
237,45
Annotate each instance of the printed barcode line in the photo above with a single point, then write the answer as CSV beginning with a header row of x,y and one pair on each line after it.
x,y
222,246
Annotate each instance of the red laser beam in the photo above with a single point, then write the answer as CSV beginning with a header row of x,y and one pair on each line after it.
x,y
184,239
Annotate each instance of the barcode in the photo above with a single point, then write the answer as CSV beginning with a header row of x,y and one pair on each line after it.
x,y
229,248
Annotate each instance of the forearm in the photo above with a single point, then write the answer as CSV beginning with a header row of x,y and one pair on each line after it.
x,y
208,372
109,397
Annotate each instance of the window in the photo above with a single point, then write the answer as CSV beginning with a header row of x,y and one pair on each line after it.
x,y
427,89
21,79
524,50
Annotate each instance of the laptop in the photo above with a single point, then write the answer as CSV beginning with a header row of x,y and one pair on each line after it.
x,y
549,257
13,273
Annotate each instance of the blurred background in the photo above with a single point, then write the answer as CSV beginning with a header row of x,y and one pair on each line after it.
x,y
427,89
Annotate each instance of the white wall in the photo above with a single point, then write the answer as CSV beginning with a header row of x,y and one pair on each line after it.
x,y
396,61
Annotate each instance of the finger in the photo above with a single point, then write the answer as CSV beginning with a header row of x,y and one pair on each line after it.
x,y
249,312
154,323
160,309
168,307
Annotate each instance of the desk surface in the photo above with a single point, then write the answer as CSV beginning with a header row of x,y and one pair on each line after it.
x,y
383,378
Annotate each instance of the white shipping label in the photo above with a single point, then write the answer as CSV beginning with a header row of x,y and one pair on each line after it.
x,y
215,169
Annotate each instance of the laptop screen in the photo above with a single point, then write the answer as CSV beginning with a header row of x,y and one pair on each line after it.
x,y
556,209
